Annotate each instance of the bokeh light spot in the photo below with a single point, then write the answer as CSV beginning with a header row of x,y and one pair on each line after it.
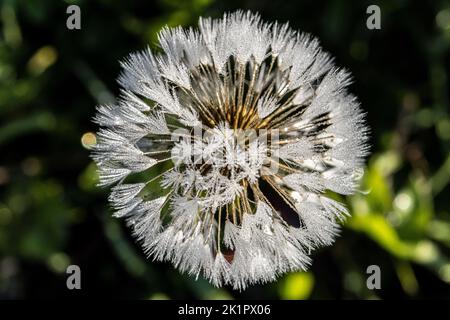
x,y
403,201
88,140
58,262
42,59
443,19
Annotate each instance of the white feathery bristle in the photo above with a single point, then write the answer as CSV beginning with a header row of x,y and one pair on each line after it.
x,y
276,119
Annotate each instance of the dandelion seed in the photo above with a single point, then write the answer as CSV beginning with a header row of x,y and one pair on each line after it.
x,y
232,207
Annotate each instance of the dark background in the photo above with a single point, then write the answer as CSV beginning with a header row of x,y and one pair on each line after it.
x,y
52,214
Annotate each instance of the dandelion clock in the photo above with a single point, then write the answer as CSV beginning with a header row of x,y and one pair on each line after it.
x,y
224,147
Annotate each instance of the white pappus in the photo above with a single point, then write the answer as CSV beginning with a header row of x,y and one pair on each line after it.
x,y
230,206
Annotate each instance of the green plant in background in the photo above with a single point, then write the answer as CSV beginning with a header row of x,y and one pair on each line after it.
x,y
51,215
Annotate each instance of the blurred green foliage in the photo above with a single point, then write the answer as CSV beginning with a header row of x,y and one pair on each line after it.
x,y
52,215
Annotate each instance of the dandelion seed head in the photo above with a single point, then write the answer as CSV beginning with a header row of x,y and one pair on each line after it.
x,y
222,147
